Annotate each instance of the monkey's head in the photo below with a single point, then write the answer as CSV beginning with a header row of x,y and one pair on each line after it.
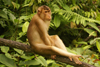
x,y
44,13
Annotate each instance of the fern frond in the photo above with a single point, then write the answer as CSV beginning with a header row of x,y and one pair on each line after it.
x,y
74,17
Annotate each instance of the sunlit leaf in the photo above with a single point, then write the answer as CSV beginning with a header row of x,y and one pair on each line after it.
x,y
90,32
2,24
8,55
8,62
12,17
19,51
25,26
82,42
50,61
88,14
3,14
7,2
74,2
98,45
94,26
66,7
27,57
16,5
42,60
39,1
87,47
5,49
56,21
30,62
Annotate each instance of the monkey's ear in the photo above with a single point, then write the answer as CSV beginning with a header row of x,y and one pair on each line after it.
x,y
39,11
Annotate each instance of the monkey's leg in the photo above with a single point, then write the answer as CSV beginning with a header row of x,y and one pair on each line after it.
x,y
58,42
52,50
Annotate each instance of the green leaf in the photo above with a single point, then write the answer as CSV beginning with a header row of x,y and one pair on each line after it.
x,y
7,2
78,51
56,7
39,1
42,60
3,14
90,32
19,51
5,49
30,62
50,61
98,17
21,34
16,5
56,21
2,65
27,57
88,13
98,45
8,55
87,47
94,26
8,62
66,7
12,17
25,26
74,2
23,17
2,36
2,24
82,42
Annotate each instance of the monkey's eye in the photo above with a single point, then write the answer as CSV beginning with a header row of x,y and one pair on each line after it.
x,y
46,11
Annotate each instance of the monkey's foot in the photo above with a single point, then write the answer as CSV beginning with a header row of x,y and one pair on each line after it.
x,y
75,58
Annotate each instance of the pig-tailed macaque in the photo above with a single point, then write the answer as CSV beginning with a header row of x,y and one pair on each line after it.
x,y
41,41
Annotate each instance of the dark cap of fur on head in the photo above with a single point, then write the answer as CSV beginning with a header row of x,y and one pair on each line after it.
x,y
46,7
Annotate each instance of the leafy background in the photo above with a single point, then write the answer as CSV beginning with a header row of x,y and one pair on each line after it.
x,y
77,22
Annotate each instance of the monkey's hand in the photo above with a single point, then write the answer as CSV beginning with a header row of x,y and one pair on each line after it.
x,y
75,58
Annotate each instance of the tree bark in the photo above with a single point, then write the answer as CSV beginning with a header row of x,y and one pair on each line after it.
x,y
27,48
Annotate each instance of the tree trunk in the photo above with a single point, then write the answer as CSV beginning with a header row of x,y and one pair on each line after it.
x,y
27,48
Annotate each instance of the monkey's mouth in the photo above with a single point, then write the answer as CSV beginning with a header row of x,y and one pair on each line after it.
x,y
49,19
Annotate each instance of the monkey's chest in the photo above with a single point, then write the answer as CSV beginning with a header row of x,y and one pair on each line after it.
x,y
47,23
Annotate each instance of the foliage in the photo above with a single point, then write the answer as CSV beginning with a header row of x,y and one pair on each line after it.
x,y
75,21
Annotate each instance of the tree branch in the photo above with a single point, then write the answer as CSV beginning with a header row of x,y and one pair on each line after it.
x,y
27,48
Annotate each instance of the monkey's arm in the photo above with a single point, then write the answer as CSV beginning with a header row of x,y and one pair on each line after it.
x,y
43,32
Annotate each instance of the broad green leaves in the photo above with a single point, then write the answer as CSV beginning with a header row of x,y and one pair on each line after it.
x,y
56,21
19,51
37,61
4,49
98,45
11,16
25,26
41,60
8,62
90,32
94,26
3,14
17,6
7,2
30,62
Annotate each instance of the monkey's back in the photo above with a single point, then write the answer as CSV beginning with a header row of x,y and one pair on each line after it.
x,y
32,33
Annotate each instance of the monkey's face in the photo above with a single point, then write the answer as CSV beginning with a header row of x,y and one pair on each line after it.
x,y
45,13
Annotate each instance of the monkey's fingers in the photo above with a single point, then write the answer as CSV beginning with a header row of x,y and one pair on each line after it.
x,y
70,58
76,60
79,56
